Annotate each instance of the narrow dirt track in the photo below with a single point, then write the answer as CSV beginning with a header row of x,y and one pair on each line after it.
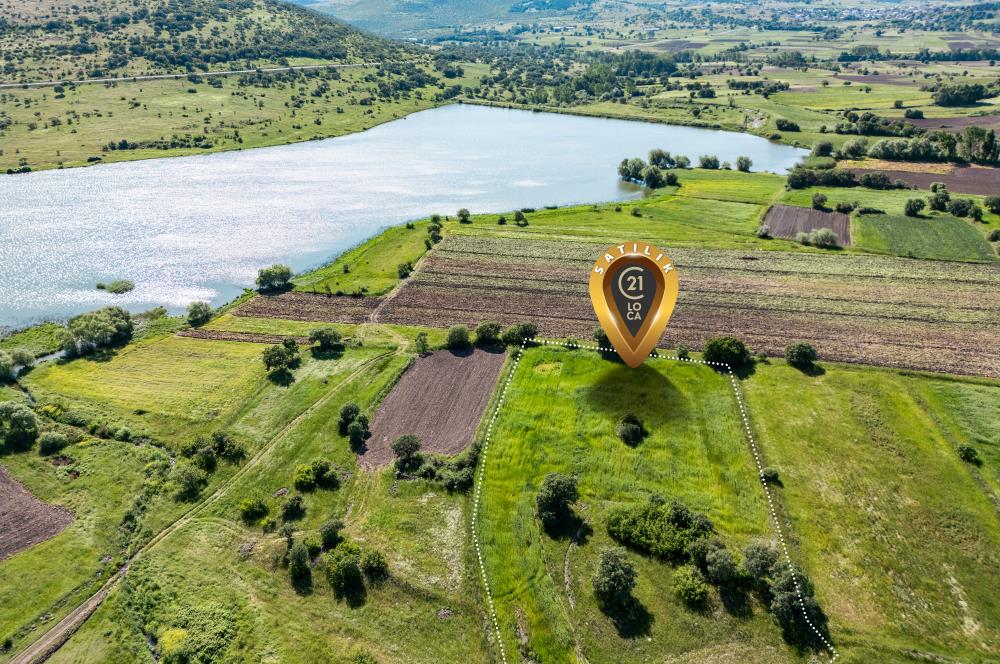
x,y
53,639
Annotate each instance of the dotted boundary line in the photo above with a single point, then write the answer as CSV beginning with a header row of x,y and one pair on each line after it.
x,y
753,447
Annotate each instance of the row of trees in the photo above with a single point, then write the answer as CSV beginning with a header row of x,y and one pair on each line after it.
x,y
655,173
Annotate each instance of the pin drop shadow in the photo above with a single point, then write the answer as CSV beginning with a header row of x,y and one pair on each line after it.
x,y
643,391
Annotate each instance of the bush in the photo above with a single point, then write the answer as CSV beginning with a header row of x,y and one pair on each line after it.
x,y
253,509
913,114
914,207
374,565
800,355
960,207
846,208
992,204
791,594
770,475
357,432
406,449
292,508
298,562
658,528
690,585
786,125
348,413
403,270
275,277
329,533
458,337
305,478
199,313
343,571
6,366
819,201
554,498
488,333
763,231
326,338
630,430
519,334
759,561
187,481
464,216
601,338
969,455
708,161
727,350
615,576
720,568
823,238
995,235
822,149
95,330
520,220
51,442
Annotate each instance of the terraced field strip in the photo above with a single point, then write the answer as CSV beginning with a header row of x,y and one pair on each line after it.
x,y
925,315
751,440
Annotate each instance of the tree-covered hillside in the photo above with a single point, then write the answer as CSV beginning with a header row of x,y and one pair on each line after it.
x,y
67,39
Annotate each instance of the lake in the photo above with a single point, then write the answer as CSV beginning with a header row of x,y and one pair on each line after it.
x,y
199,227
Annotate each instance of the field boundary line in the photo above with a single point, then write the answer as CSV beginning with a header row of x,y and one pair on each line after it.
x,y
737,393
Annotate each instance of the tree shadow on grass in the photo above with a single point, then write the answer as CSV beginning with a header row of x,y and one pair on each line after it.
x,y
282,377
629,616
570,527
334,353
813,370
643,391
736,601
354,595
303,584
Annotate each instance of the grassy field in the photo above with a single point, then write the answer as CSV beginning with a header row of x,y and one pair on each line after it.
x,y
900,563
559,415
943,237
51,577
369,335
371,266
40,339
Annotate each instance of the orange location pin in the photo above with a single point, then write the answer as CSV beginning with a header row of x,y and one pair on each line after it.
x,y
633,287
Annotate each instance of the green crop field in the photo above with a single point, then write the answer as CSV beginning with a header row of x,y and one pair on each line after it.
x,y
901,541
559,416
943,238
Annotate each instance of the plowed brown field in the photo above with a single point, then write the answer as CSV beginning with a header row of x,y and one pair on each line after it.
x,y
440,399
24,520
788,220
897,312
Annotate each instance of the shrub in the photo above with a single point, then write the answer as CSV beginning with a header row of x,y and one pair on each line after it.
x,y
326,338
786,125
520,220
615,576
329,533
720,568
6,366
661,529
488,333
403,270
554,498
939,198
822,149
800,355
960,207
770,475
253,509
305,478
343,571
420,344
913,114
914,207
680,161
464,216
292,508
855,148
743,164
682,352
690,585
199,313
759,561
708,161
601,338
791,594
763,231
846,208
458,337
968,454
374,565
357,433
992,204
348,413
727,350
51,442
298,561
630,430
279,358
96,330
275,277
187,481
995,235
502,221
819,201
635,212
823,238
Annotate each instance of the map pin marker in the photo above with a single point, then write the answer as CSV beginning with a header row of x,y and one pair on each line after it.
x,y
633,288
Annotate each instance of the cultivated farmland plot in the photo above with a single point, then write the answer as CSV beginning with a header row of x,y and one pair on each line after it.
x,y
878,310
440,399
788,221
25,520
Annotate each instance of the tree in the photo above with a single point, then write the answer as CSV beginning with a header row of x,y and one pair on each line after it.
x,y
420,344
992,204
759,561
6,366
18,426
744,164
822,149
960,94
357,432
187,481
819,201
823,238
305,478
660,158
601,338
554,498
464,216
298,562
960,207
615,578
373,565
348,413
517,335
326,338
404,269
653,177
727,350
458,337
682,162
488,333
708,161
406,449
630,430
199,313
253,509
914,207
96,330
292,508
719,566
343,572
275,277
789,586
279,358
801,355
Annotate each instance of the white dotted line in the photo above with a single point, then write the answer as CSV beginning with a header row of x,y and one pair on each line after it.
x,y
753,447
